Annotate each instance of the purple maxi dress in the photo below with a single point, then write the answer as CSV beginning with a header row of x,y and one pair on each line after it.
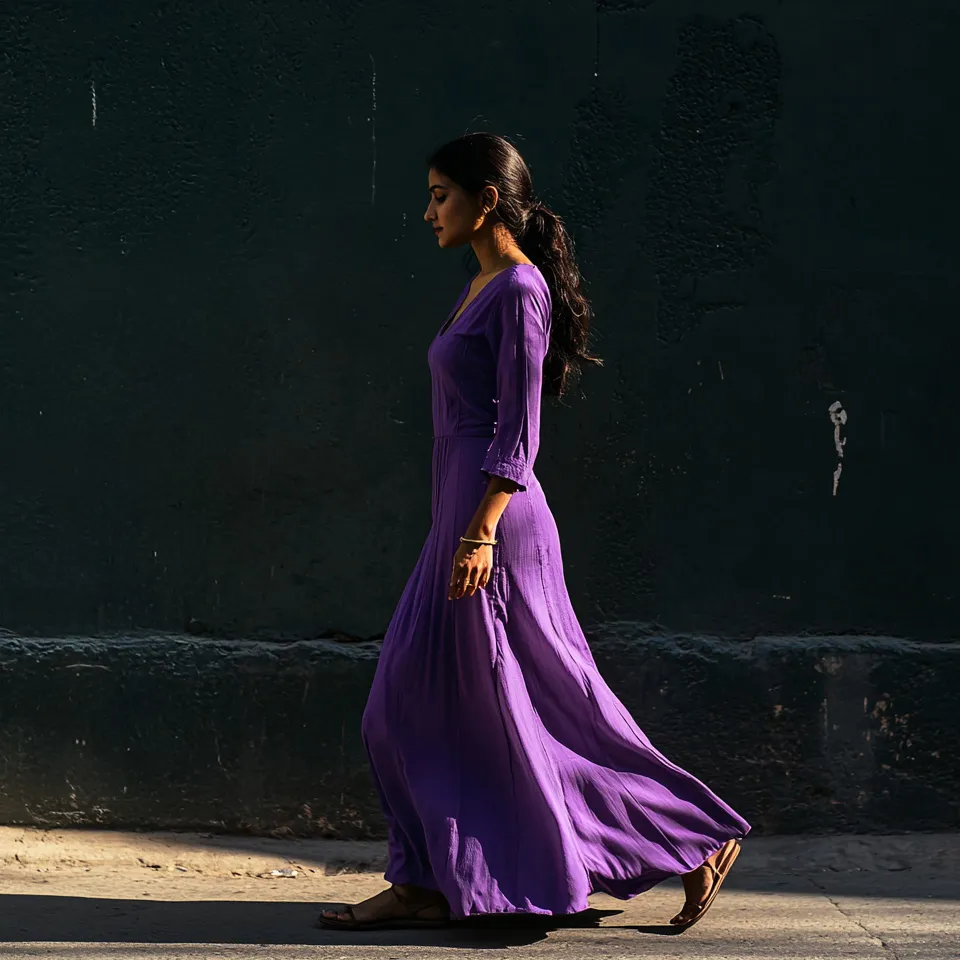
x,y
512,778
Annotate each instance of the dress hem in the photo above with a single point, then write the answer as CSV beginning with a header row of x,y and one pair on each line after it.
x,y
636,885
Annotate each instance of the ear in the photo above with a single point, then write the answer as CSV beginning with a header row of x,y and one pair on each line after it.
x,y
489,198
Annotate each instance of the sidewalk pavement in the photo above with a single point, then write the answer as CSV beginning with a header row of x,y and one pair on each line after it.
x,y
98,894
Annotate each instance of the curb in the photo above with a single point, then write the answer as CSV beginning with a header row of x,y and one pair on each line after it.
x,y
32,849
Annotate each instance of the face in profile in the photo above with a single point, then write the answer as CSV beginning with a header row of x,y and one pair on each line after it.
x,y
452,213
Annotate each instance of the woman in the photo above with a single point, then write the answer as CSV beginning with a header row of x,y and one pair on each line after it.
x,y
511,777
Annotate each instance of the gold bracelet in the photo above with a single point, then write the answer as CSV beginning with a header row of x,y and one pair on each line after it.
x,y
483,542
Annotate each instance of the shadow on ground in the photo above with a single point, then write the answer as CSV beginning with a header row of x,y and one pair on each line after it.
x,y
26,918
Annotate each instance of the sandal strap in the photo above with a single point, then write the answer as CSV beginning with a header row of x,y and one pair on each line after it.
x,y
717,875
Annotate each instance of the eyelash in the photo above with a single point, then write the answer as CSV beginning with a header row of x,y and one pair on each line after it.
x,y
439,199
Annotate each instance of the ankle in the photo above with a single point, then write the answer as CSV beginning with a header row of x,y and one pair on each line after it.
x,y
410,893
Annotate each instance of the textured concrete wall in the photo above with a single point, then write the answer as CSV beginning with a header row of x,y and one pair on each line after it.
x,y
217,295
815,734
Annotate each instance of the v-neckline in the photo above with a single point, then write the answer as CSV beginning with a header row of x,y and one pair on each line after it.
x,y
453,318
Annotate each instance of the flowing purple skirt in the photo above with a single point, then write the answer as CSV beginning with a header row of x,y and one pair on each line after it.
x,y
512,779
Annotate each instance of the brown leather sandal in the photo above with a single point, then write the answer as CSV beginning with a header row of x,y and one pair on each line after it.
x,y
409,921
729,853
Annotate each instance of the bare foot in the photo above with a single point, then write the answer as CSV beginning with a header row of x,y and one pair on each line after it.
x,y
397,902
698,883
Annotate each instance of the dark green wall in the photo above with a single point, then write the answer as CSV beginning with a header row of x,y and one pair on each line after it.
x,y
217,302
216,296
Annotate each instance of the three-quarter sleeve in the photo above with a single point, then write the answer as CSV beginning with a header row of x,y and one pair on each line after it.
x,y
518,332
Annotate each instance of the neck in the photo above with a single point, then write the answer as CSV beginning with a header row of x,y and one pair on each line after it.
x,y
495,249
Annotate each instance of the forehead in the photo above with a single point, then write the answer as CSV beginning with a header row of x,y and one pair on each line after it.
x,y
438,180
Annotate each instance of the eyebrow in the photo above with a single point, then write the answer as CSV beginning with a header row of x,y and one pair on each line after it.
x,y
436,186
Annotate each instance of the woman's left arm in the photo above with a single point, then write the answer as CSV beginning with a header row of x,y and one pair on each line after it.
x,y
518,333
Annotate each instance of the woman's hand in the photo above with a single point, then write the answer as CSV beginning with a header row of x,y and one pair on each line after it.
x,y
472,566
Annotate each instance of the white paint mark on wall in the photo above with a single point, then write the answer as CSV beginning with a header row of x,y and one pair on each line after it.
x,y
93,100
373,131
838,417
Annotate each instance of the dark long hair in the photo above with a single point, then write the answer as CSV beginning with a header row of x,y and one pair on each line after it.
x,y
479,160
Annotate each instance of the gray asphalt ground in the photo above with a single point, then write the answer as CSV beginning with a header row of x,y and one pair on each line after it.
x,y
94,895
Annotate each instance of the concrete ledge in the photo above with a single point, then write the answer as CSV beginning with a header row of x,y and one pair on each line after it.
x,y
812,734
31,849
38,850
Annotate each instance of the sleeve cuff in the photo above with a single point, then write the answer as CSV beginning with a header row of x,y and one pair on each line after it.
x,y
511,469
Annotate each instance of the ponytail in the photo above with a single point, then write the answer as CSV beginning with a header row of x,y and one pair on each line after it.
x,y
544,239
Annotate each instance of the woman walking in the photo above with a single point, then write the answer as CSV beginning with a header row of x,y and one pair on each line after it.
x,y
511,777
